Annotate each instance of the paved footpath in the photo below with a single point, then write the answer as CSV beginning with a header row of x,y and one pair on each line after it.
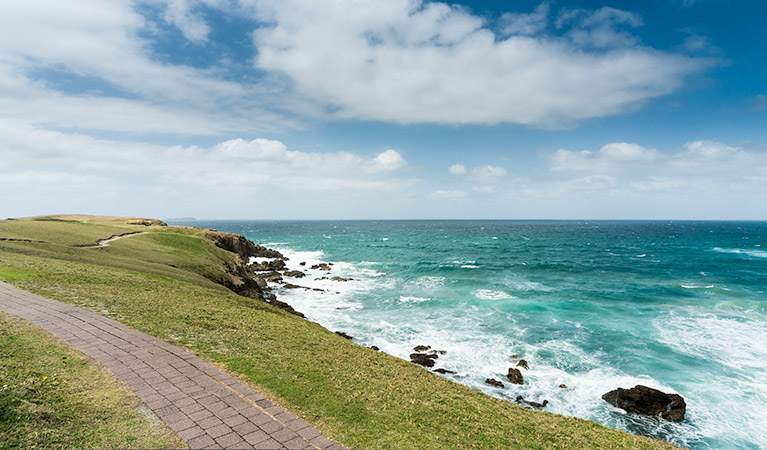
x,y
206,407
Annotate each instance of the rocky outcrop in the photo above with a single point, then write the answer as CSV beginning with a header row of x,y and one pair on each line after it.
x,y
494,382
344,335
321,266
146,222
648,401
421,348
240,245
444,371
523,364
423,359
240,277
515,376
265,266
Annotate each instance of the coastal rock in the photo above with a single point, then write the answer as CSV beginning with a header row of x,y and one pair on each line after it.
x,y
375,348
422,348
423,359
341,279
563,386
272,300
302,263
294,274
146,222
648,401
240,245
277,264
321,266
494,382
344,335
515,376
523,364
521,400
444,371
293,286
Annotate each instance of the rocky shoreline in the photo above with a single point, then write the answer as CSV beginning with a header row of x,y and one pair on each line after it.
x,y
251,280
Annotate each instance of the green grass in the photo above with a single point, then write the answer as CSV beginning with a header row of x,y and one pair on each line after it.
x,y
362,398
52,396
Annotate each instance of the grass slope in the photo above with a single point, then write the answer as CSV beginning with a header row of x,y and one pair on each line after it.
x,y
160,283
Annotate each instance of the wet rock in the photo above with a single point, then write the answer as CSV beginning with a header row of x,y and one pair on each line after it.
x,y
514,356
422,348
294,274
302,263
515,376
494,382
423,359
521,400
341,279
277,264
648,401
523,364
272,300
321,266
375,348
344,335
437,352
444,371
563,386
293,286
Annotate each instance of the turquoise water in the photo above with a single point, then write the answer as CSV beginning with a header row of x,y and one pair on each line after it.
x,y
680,306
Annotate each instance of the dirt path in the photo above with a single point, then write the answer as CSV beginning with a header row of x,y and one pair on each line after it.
x,y
107,241
206,407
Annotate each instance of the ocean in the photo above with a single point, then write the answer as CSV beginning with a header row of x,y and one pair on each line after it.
x,y
592,305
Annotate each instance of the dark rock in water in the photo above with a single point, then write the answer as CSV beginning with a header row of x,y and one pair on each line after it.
x,y
494,382
563,386
375,348
423,359
648,401
277,264
321,266
341,279
443,371
521,400
318,289
344,335
293,286
523,364
422,348
515,376
514,356
437,352
294,274
303,263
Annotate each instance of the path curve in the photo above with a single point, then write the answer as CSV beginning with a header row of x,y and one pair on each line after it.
x,y
206,407
107,241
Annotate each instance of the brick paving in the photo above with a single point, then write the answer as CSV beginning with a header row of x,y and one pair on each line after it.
x,y
206,407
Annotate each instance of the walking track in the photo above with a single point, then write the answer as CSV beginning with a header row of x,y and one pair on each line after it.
x,y
206,407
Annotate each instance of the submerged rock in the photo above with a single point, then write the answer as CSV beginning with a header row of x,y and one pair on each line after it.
x,y
494,382
422,348
523,364
515,376
563,386
521,400
444,371
648,401
375,348
423,359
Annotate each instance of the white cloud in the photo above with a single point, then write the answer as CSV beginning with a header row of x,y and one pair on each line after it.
x,y
407,61
488,173
445,194
179,13
389,161
526,24
611,157
457,169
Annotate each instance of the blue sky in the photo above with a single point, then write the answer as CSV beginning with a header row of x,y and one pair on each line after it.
x,y
397,109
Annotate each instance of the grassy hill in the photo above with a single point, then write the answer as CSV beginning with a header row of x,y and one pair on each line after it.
x,y
167,283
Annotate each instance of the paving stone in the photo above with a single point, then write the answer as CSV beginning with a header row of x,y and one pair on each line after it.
x,y
256,437
217,431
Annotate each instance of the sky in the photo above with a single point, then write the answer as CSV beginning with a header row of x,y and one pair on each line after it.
x,y
388,109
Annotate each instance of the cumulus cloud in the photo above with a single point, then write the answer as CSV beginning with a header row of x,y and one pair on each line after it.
x,y
407,61
611,157
179,13
457,169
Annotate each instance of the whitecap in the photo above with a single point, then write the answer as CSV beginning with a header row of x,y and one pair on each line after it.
x,y
405,299
739,251
469,266
489,294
